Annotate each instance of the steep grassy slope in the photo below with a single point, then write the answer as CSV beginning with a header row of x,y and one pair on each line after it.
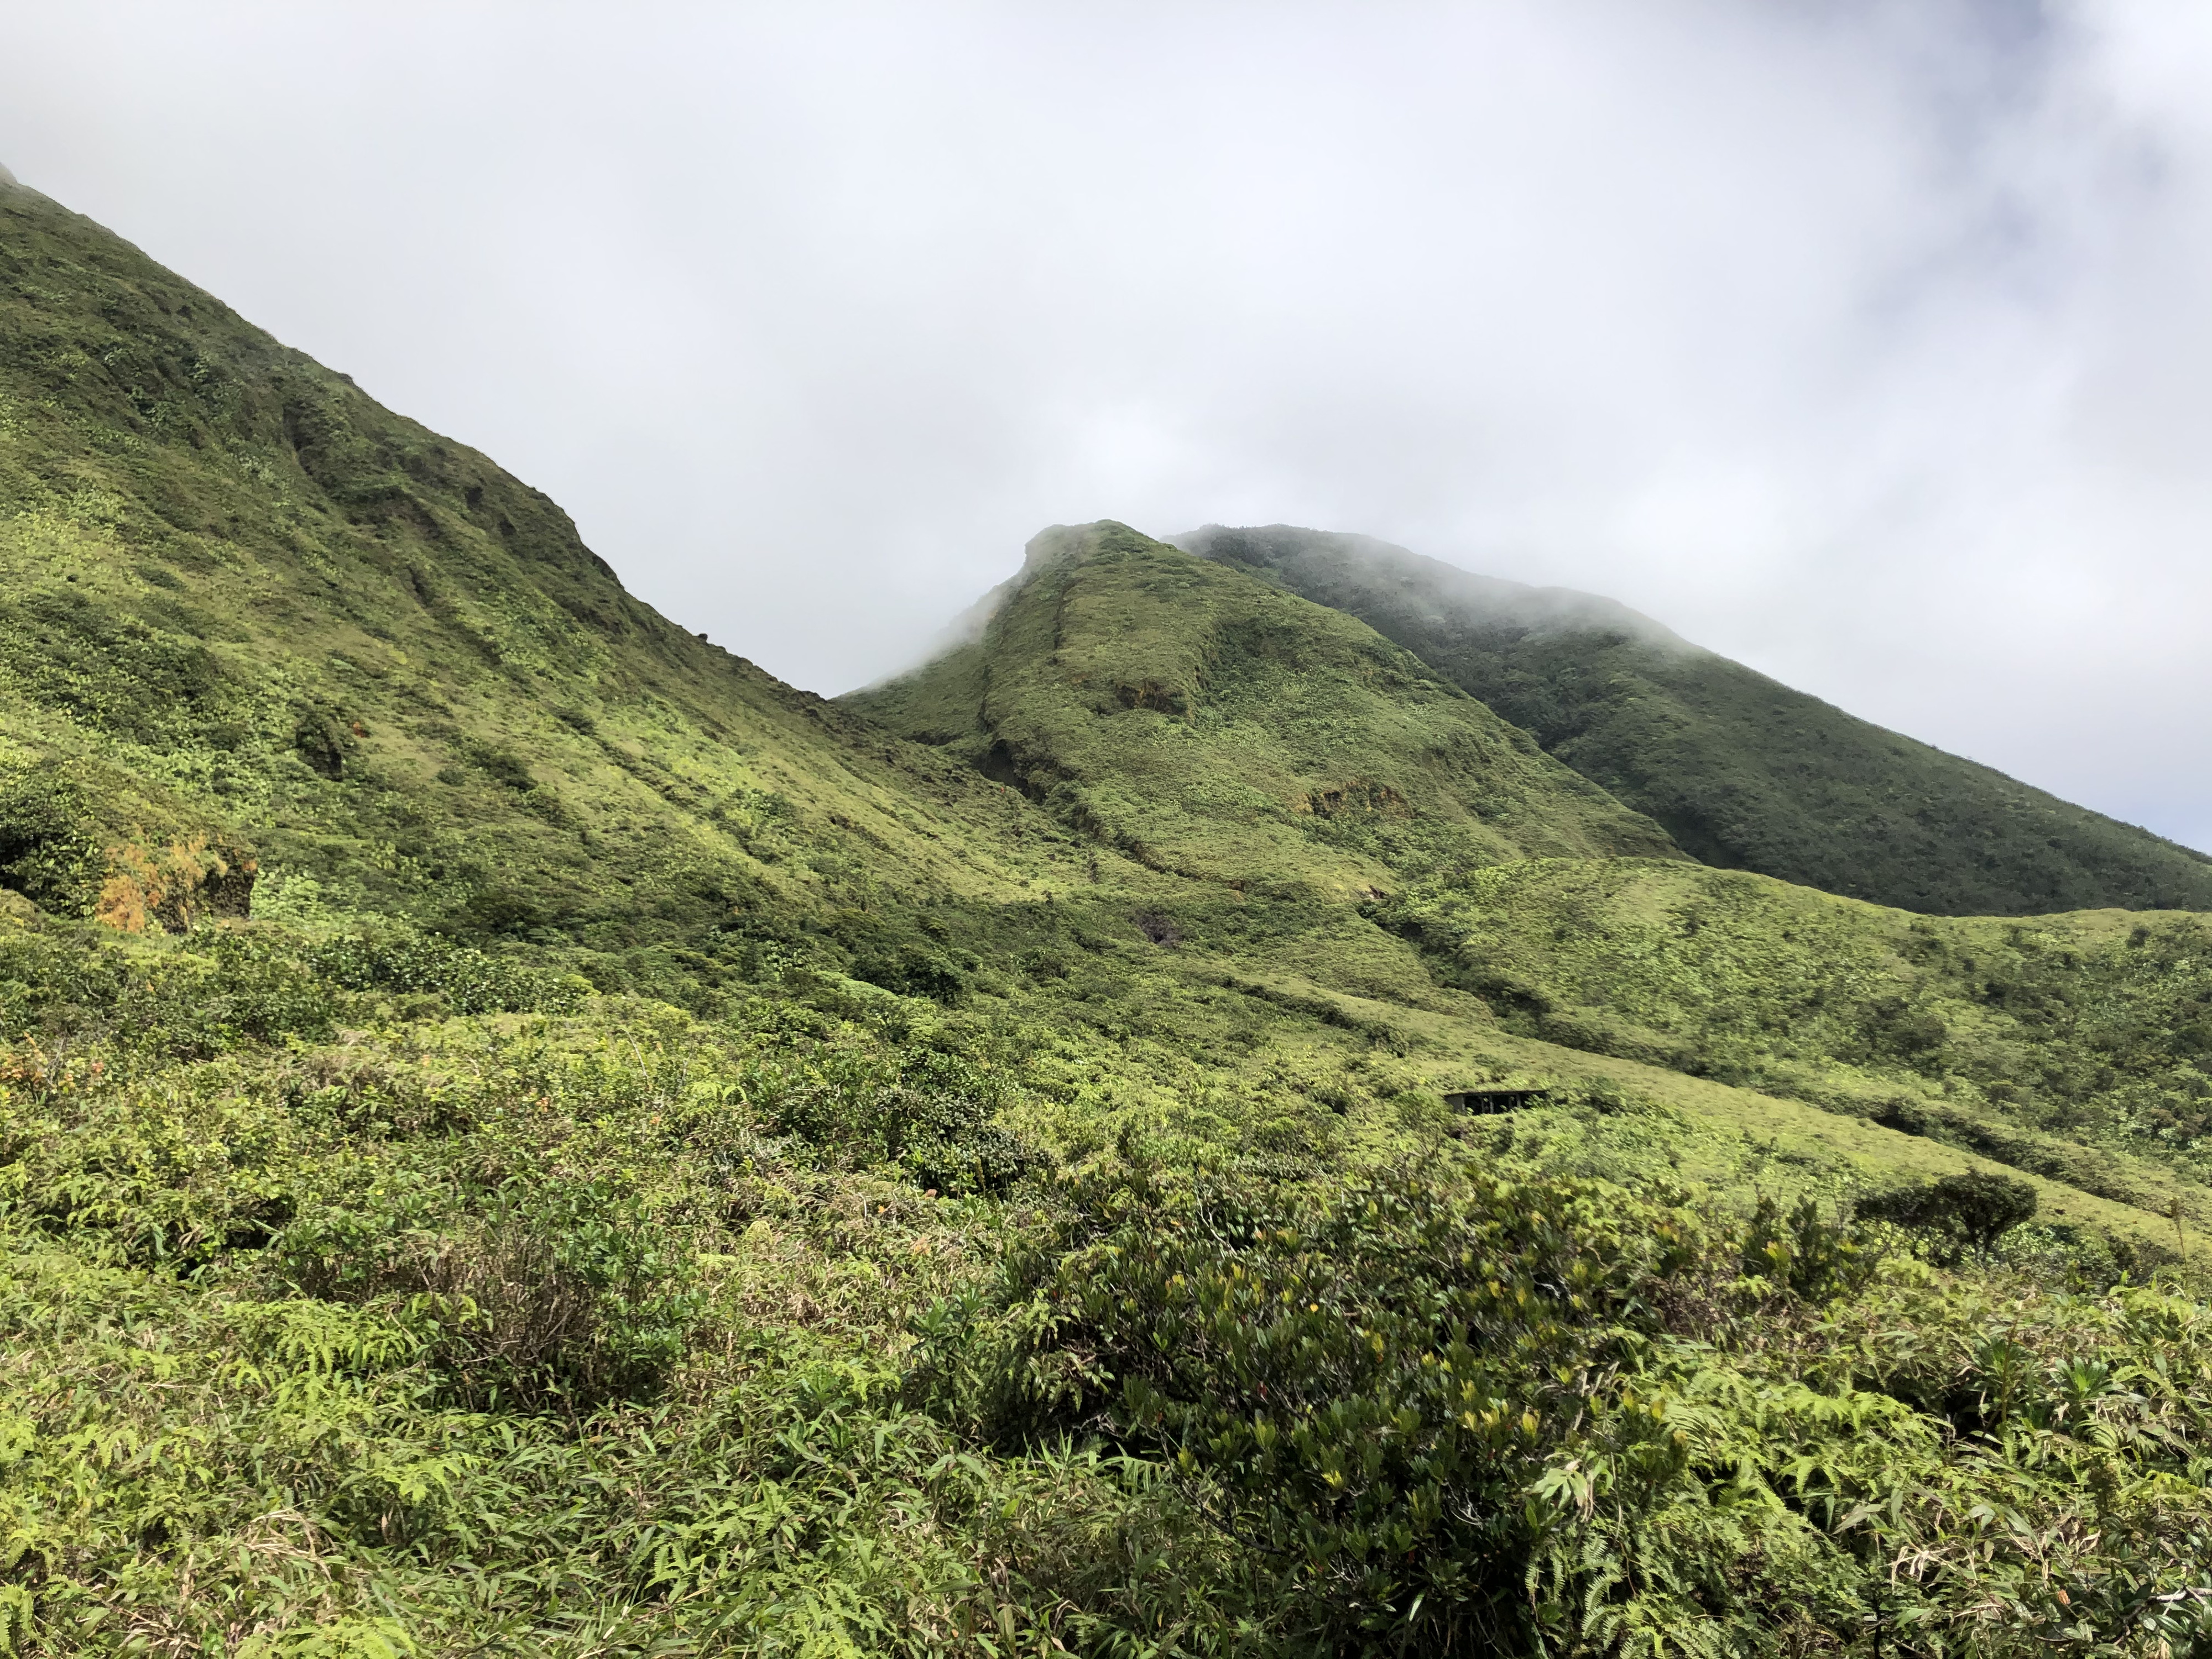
x,y
1039,1228
1744,772
1210,724
247,616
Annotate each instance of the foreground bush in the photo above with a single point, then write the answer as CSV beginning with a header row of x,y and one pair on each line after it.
x,y
1456,1415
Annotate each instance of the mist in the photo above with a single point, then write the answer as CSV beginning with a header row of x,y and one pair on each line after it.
x,y
1866,343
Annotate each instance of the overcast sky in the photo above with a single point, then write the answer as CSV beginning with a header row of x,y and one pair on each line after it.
x,y
1869,343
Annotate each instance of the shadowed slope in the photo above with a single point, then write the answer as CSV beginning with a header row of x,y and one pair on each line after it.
x,y
1743,772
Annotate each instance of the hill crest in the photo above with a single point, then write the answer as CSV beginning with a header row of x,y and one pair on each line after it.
x,y
1345,563
1229,731
1744,772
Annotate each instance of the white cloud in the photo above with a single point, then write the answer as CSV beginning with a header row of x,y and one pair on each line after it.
x,y
1865,341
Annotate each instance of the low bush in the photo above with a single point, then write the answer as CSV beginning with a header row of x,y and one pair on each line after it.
x,y
549,1294
929,1113
1451,1414
1956,1213
468,980
1373,1378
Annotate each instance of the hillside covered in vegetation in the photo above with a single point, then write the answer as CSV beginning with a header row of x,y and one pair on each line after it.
x,y
521,1134
1744,772
1223,730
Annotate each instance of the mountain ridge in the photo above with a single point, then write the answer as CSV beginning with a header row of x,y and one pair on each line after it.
x,y
1743,771
1530,607
244,602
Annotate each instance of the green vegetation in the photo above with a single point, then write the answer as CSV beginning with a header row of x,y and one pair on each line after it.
x,y
1744,772
1966,1212
2072,1046
245,611
613,1330
519,1134
1213,727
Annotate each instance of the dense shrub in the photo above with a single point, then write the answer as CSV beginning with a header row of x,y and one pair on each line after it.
x,y
1453,1414
540,1293
1804,1253
50,981
50,849
927,1112
241,987
1956,1213
1374,1377
911,971
469,980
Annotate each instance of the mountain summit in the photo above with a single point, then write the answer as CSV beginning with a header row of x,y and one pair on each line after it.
x,y
1213,724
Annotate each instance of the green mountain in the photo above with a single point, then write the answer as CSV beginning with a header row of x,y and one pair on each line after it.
x,y
1744,772
248,611
1214,728
520,1133
1211,725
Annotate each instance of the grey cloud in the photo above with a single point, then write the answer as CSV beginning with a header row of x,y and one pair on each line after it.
x,y
1863,342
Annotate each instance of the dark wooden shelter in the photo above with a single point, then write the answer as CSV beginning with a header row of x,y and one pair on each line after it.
x,y
1494,1100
